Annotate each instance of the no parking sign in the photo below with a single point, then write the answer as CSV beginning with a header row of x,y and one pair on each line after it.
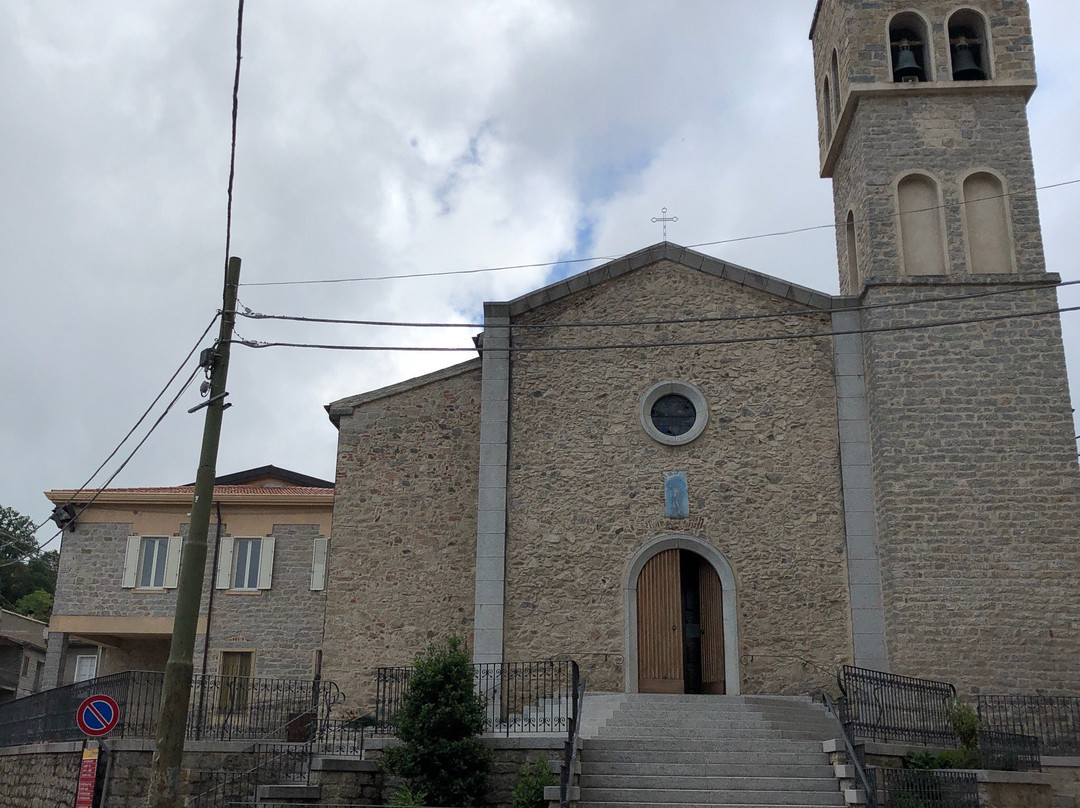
x,y
97,715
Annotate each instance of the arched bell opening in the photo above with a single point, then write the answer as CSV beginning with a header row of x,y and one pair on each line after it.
x,y
909,46
969,49
681,622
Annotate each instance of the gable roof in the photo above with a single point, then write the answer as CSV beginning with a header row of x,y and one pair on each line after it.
x,y
667,251
345,406
261,474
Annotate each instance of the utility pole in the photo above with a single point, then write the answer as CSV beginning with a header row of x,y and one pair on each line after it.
x,y
176,692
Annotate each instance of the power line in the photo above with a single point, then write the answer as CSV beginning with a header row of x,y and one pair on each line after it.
x,y
138,423
253,315
644,345
82,506
539,264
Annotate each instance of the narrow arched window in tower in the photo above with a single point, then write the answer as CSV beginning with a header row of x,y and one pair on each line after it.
x,y
835,73
852,255
921,228
827,113
987,218
969,47
909,44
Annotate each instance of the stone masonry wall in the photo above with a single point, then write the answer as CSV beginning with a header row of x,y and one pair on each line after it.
x,y
858,32
283,623
947,137
404,536
977,490
586,483
45,776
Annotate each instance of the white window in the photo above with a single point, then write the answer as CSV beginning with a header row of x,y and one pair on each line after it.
x,y
318,563
85,667
245,563
152,562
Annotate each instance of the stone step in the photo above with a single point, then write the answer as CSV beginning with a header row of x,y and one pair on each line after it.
x,y
726,725
713,745
752,766
695,734
666,783
761,758
591,796
660,804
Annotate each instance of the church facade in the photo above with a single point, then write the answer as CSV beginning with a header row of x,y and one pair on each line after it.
x,y
693,477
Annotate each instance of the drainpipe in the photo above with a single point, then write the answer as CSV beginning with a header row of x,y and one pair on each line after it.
x,y
209,610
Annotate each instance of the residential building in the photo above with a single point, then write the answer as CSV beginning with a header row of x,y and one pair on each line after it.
x,y
264,588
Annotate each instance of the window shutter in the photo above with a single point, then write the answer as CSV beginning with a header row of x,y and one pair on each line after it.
x,y
224,570
131,562
318,563
172,562
266,562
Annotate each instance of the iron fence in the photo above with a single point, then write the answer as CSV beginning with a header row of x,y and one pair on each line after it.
x,y
519,697
221,708
276,763
924,788
1009,751
337,737
888,707
1054,720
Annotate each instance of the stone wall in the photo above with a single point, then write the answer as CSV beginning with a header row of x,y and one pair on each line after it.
x,y
977,489
586,483
283,624
946,137
404,536
40,776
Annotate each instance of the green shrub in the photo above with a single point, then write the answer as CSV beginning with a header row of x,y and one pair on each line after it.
x,y
529,792
405,797
438,723
965,723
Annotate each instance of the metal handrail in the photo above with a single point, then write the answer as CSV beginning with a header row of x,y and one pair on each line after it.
x,y
870,789
573,735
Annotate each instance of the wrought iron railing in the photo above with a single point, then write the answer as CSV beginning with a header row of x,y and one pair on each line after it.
x,y
856,754
924,788
887,707
221,708
1054,720
519,697
573,732
273,763
1009,751
340,737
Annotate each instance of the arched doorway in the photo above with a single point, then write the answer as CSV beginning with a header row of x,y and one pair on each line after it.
x,y
681,622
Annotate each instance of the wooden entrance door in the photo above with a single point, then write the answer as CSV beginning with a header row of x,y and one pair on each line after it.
x,y
712,629
663,640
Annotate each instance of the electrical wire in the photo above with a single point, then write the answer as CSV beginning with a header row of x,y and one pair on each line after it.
x,y
138,423
232,147
673,344
82,506
253,315
539,264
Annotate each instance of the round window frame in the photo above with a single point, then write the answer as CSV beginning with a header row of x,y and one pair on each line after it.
x,y
667,388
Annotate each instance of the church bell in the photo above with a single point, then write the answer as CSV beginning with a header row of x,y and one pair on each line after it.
x,y
965,67
907,66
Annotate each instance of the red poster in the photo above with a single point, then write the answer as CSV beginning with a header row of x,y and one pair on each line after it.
x,y
84,795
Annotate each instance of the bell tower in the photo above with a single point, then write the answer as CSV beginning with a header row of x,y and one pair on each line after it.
x,y
970,483
923,131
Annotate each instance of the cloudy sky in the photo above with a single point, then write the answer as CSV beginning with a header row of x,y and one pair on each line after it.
x,y
383,138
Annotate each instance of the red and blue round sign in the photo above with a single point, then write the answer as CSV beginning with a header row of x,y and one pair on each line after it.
x,y
97,715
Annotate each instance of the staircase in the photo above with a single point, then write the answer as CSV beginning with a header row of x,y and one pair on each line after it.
x,y
642,751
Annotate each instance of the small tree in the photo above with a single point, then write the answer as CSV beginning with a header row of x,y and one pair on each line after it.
x,y
438,724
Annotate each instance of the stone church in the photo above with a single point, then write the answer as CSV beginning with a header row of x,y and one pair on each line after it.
x,y
693,477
